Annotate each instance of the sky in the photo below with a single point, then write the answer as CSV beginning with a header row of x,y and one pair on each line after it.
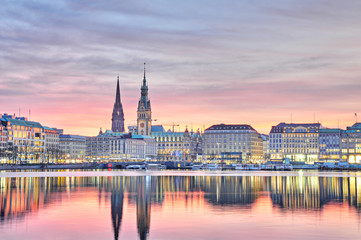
x,y
252,62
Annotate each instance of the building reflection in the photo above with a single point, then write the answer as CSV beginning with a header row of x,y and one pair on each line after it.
x,y
117,196
314,192
143,205
22,196
226,190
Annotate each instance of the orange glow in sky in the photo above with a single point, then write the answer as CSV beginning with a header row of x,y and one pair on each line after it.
x,y
248,62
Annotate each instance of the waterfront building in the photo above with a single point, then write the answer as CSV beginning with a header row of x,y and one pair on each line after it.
x,y
177,146
72,147
52,144
297,141
22,141
3,140
351,144
265,138
118,114
144,112
115,146
329,144
232,142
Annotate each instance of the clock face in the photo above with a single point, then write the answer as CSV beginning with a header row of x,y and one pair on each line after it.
x,y
142,125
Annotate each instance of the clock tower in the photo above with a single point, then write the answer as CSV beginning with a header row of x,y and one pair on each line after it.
x,y
144,113
118,114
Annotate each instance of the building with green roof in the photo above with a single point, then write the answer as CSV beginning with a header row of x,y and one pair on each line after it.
x,y
23,141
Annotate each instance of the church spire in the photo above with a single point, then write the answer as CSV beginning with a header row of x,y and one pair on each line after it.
x,y
144,79
118,114
117,95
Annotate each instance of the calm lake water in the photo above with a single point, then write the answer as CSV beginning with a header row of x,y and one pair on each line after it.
x,y
180,205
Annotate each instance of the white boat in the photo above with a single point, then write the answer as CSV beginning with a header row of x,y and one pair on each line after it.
x,y
197,167
240,166
213,166
277,167
135,166
254,167
155,166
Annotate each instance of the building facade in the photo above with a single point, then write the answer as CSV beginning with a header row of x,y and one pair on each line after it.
x,y
297,142
177,146
144,113
266,153
72,147
118,114
232,142
351,144
52,145
112,146
22,141
329,144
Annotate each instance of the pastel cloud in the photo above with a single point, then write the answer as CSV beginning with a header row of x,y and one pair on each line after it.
x,y
208,61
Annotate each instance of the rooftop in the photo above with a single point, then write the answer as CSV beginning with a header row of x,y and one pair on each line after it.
x,y
23,123
355,126
158,128
231,127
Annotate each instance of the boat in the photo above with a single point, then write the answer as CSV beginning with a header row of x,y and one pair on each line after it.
x,y
213,166
254,167
240,166
135,166
277,167
155,166
197,167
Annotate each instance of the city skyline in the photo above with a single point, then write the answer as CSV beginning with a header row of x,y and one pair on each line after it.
x,y
254,63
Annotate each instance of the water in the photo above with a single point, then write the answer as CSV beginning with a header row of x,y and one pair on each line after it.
x,y
180,205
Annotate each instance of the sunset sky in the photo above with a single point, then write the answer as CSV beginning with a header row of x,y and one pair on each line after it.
x,y
208,62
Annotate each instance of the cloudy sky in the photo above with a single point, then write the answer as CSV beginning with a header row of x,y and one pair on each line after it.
x,y
252,61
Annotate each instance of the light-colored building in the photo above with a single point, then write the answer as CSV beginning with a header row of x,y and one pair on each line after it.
x,y
329,144
52,145
236,142
116,146
266,155
22,141
298,142
351,144
72,147
177,146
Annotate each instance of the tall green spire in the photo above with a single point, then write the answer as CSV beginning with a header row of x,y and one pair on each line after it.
x,y
144,80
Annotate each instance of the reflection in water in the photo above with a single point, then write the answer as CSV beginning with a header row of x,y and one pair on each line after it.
x,y
143,205
117,204
21,196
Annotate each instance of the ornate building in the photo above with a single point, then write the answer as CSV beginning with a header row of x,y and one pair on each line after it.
x,y
118,114
177,146
144,113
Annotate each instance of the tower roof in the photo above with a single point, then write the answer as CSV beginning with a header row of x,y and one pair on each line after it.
x,y
117,95
144,101
118,114
144,86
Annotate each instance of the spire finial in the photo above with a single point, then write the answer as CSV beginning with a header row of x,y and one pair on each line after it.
x,y
144,70
117,95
